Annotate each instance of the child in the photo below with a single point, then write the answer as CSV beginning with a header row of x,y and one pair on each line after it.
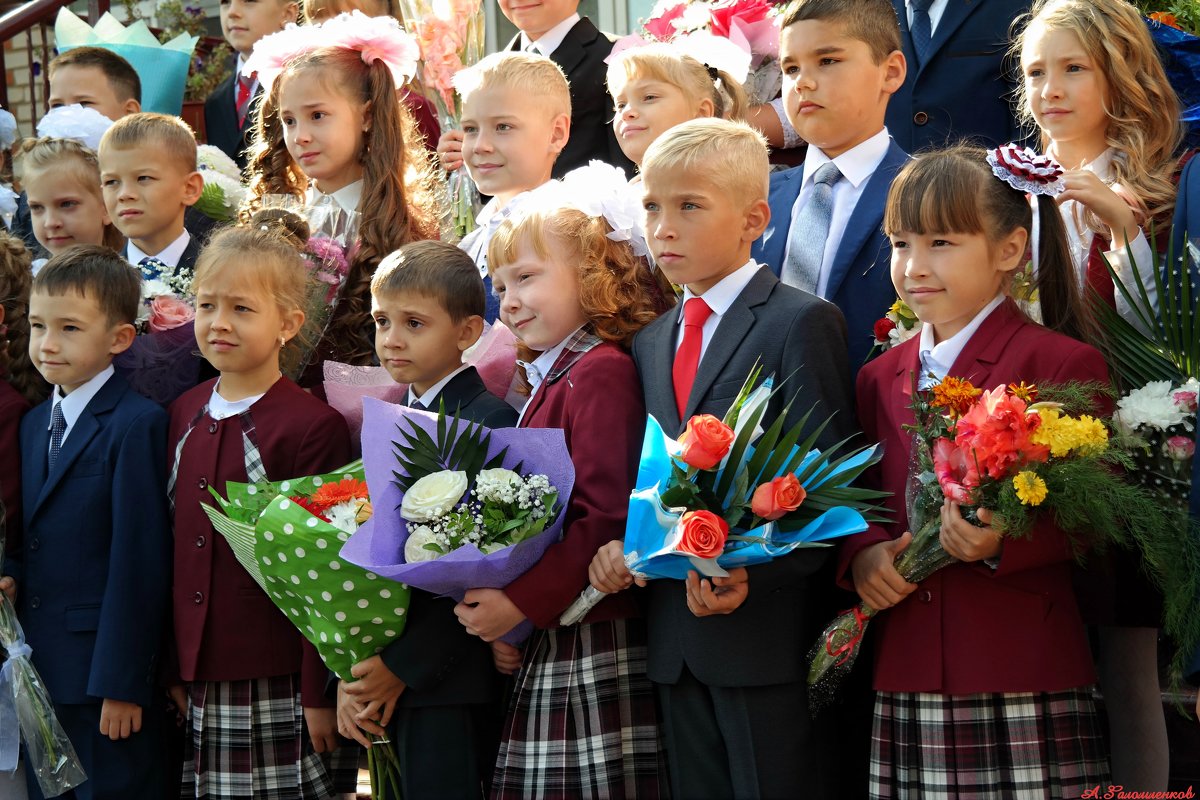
x,y
516,121
95,574
329,125
149,180
556,31
841,62
657,87
95,78
953,660
1108,115
427,301
732,688
61,178
255,703
582,720
227,118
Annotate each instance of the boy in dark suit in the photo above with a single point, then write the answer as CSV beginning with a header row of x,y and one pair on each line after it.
x,y
728,656
227,118
94,570
841,62
434,688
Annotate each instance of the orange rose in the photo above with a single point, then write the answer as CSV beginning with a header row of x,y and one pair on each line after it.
x,y
704,534
780,496
705,441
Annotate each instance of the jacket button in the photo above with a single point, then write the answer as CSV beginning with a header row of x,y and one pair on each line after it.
x,y
202,483
920,118
198,598
34,544
926,596
212,428
200,541
35,602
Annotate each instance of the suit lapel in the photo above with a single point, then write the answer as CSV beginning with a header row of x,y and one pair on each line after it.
x,y
81,434
774,238
988,345
461,391
952,19
35,465
570,53
188,259
906,45
660,400
865,219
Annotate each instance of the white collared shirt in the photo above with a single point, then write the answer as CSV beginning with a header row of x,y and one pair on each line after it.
x,y
432,394
936,9
551,39
537,370
170,255
219,408
74,403
475,243
939,358
719,298
857,165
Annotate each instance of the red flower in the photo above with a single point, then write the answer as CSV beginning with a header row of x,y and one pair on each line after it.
x,y
705,441
883,327
778,497
744,11
997,432
309,506
955,472
660,27
704,534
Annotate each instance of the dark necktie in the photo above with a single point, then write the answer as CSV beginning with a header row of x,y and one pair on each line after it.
x,y
152,268
922,28
58,429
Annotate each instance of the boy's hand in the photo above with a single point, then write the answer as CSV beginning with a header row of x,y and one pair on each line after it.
x,y
608,572
376,686
722,596
488,613
179,699
347,710
968,542
449,149
1107,203
8,585
875,577
322,728
506,657
119,719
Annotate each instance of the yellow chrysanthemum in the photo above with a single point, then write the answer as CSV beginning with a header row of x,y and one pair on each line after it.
x,y
1067,435
1031,489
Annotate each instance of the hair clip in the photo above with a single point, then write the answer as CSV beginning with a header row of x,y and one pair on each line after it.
x,y
1025,170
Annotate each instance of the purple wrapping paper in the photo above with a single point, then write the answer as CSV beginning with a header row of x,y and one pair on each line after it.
x,y
378,545
161,365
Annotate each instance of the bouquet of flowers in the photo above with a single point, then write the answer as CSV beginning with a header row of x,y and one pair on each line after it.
x,y
163,362
477,507
26,711
450,33
895,327
223,191
287,535
1159,420
777,492
1023,457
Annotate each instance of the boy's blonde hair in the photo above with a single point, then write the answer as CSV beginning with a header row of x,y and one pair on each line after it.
x,y
730,155
35,156
156,132
536,76
661,62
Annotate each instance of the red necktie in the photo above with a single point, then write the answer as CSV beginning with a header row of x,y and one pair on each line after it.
x,y
243,99
687,357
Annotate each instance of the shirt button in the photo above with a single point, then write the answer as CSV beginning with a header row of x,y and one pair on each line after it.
x,y
35,602
920,118
212,428
200,541
198,598
926,596
202,483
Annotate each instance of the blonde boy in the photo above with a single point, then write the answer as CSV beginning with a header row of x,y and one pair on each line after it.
x,y
149,180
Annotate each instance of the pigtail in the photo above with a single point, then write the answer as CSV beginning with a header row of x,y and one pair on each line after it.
x,y
1059,295
729,98
16,278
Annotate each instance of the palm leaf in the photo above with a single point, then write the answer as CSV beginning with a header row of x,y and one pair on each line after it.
x,y
457,445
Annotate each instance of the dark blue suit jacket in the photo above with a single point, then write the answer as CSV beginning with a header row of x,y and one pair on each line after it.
x,y
964,88
860,283
95,566
1187,224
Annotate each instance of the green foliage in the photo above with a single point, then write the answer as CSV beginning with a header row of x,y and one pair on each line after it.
x,y
460,446
1186,12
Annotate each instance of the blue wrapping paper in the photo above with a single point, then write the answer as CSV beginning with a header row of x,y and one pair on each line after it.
x,y
1180,53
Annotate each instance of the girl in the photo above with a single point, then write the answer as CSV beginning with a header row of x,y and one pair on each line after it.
x,y
255,700
582,720
657,87
61,178
1095,87
990,655
329,126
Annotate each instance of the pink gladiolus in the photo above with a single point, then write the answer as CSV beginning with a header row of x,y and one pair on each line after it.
x,y
955,471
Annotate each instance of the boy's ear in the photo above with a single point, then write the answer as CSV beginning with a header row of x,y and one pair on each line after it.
x,y
192,187
132,106
560,132
469,331
123,336
756,219
1011,249
895,69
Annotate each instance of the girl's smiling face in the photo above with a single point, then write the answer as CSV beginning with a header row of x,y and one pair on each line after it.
x,y
322,128
646,108
539,296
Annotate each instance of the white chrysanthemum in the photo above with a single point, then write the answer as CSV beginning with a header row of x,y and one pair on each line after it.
x,y
901,334
415,550
215,159
153,287
343,515
1151,405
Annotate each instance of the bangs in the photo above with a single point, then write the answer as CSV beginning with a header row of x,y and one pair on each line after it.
x,y
528,229
934,194
244,273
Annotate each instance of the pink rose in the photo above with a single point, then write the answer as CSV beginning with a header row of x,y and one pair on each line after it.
x,y
168,312
1180,448
1185,400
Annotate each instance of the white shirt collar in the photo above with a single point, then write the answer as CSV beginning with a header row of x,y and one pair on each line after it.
x,y
939,358
721,296
856,164
219,408
433,392
349,197
170,255
74,403
540,367
551,39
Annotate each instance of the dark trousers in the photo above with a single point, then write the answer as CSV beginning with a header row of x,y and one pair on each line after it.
x,y
446,751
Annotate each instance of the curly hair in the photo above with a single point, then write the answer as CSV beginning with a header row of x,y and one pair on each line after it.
x,y
1142,108
400,200
16,278
34,156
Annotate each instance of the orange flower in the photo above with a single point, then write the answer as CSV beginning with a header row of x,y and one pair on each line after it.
x,y
955,395
1166,18
345,490
1026,391
705,441
998,434
703,534
775,498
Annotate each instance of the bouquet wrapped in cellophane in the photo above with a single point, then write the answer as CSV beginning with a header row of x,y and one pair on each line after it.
x,y
287,535
1026,454
728,494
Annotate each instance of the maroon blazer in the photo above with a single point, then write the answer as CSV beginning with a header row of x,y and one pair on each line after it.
x,y
12,407
226,628
597,402
970,628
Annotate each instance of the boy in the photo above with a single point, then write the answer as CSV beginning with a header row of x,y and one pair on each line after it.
x,y
227,118
516,120
727,658
94,575
149,180
95,78
554,29
841,62
427,301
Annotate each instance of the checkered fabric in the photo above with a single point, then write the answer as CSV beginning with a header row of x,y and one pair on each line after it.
x,y
582,721
255,471
987,746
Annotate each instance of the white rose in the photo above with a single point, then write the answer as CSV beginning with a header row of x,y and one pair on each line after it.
x,y
414,548
433,495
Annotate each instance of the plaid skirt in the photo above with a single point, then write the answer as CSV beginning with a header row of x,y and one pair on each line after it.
x,y
995,746
582,721
249,740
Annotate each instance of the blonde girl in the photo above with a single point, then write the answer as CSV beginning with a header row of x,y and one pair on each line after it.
x,y
656,87
258,721
329,129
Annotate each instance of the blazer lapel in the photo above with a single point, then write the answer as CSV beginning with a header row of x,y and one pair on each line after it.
x,y
773,242
906,45
866,218
81,434
952,19
570,53
988,345
461,391
660,394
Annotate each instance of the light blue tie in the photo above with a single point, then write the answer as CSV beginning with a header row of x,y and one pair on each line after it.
x,y
922,28
810,230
